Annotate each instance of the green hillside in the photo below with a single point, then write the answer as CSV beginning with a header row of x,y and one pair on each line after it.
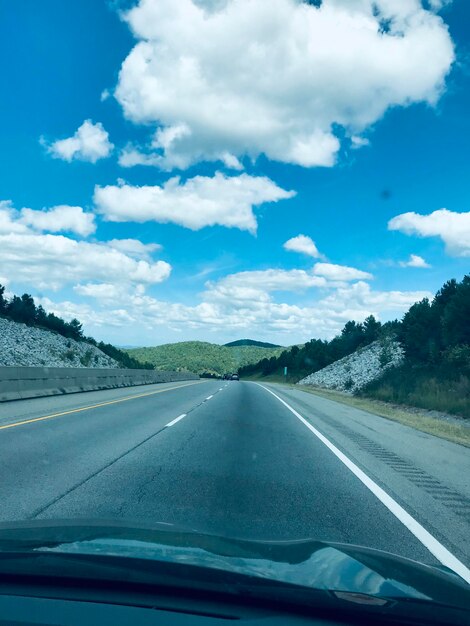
x,y
201,357
251,342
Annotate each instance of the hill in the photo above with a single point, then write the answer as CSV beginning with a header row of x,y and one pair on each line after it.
x,y
429,349
29,346
31,336
202,357
251,342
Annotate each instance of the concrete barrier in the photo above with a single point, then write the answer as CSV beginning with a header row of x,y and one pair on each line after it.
x,y
18,383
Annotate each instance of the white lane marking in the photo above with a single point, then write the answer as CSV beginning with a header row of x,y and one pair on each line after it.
x,y
175,420
431,543
209,397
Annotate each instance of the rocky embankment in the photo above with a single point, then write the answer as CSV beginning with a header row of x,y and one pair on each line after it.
x,y
358,369
27,346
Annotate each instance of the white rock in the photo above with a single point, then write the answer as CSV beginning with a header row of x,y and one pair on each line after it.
x,y
358,369
29,346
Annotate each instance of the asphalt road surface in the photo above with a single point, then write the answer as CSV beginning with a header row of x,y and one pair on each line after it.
x,y
237,459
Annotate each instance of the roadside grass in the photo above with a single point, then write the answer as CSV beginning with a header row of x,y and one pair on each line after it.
x,y
433,388
409,416
272,378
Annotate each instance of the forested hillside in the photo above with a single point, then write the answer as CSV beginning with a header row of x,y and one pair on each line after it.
x,y
318,353
251,342
202,357
435,336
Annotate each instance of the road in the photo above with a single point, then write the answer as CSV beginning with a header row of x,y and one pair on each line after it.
x,y
238,459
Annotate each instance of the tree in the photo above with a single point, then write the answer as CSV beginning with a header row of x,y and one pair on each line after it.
x,y
371,330
22,309
456,317
352,336
3,301
439,305
75,329
41,316
416,332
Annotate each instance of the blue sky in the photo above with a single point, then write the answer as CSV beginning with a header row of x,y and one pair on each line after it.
x,y
296,121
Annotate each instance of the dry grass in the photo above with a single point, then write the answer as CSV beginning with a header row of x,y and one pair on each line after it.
x,y
420,420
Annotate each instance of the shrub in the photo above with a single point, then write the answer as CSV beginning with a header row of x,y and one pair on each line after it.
x,y
69,355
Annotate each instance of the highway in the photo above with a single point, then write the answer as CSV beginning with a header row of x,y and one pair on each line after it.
x,y
237,459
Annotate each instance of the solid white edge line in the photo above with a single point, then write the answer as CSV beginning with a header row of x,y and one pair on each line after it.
x,y
209,397
431,543
177,419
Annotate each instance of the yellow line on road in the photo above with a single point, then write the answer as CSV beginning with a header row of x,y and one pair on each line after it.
x,y
96,406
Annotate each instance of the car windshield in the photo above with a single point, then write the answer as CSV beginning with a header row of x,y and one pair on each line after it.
x,y
235,283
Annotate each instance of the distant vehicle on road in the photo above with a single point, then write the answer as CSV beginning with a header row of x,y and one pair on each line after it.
x,y
235,377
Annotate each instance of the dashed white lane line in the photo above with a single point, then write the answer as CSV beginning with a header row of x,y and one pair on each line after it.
x,y
177,419
172,423
431,543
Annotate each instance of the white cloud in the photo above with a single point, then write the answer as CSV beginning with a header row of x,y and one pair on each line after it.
x,y
304,245
134,247
453,228
53,261
131,156
246,77
240,311
340,272
414,261
60,218
265,281
101,291
358,300
359,142
9,219
198,202
89,143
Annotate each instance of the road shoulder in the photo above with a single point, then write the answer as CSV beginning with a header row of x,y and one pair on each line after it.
x,y
450,428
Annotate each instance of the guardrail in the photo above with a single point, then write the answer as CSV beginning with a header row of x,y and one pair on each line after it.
x,y
17,383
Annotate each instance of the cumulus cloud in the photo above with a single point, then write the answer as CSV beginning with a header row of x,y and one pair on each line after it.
x,y
453,228
304,245
414,261
134,247
101,291
340,272
240,312
9,219
89,143
198,202
263,282
359,300
359,142
53,261
60,218
246,77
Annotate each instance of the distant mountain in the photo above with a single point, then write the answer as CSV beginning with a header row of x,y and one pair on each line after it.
x,y
202,357
251,342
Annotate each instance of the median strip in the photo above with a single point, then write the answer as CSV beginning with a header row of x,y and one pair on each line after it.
x,y
96,406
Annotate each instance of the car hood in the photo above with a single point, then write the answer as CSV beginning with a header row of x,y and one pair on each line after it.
x,y
353,573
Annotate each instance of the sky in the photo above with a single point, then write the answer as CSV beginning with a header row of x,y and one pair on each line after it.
x,y
226,169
